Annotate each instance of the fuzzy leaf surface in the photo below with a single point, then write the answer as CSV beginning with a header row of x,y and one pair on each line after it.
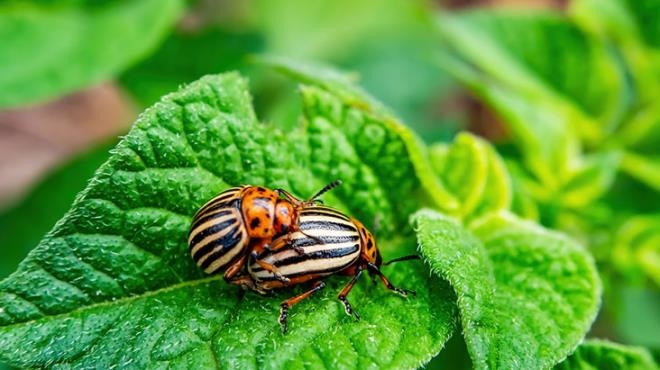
x,y
526,296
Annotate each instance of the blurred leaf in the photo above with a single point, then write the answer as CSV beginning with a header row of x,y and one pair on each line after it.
x,y
641,131
632,24
637,249
414,87
600,354
330,30
546,79
22,226
113,284
526,295
644,168
49,51
474,173
328,78
186,56
591,179
637,320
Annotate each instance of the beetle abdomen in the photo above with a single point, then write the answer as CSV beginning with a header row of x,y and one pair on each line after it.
x,y
326,243
217,235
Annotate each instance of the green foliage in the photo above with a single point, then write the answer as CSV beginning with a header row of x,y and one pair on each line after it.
x,y
39,63
117,264
578,94
599,354
526,295
113,285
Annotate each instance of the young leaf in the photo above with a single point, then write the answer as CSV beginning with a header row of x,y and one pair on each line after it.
x,y
113,284
474,173
526,296
92,43
601,354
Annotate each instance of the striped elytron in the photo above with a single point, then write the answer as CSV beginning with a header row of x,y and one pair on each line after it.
x,y
242,222
326,243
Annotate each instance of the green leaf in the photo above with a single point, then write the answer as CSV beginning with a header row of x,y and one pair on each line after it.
x,y
362,103
636,250
474,173
113,285
591,179
91,44
601,354
632,25
526,295
537,83
644,168
636,320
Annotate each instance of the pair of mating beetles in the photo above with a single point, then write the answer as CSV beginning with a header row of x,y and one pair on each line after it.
x,y
265,239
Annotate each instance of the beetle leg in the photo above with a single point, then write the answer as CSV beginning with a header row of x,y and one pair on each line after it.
x,y
347,289
283,242
284,307
234,269
375,270
245,282
269,267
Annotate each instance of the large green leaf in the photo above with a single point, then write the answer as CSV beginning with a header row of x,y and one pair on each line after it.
x,y
112,284
52,50
548,81
526,295
600,354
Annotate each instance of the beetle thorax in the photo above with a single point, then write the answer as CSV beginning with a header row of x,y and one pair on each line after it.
x,y
285,216
259,211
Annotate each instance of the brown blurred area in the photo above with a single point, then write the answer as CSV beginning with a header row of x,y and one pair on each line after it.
x,y
35,139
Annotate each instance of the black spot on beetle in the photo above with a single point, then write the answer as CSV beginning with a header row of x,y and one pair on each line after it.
x,y
261,190
255,222
370,244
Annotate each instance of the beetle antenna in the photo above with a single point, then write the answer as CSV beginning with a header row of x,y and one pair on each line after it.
x,y
326,188
404,258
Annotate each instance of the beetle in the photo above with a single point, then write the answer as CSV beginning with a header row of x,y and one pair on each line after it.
x,y
243,221
327,243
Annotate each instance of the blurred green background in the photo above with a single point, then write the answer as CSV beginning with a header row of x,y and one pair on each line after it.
x,y
565,90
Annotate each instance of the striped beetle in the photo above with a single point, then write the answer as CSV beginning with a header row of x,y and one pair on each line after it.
x,y
327,243
243,221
